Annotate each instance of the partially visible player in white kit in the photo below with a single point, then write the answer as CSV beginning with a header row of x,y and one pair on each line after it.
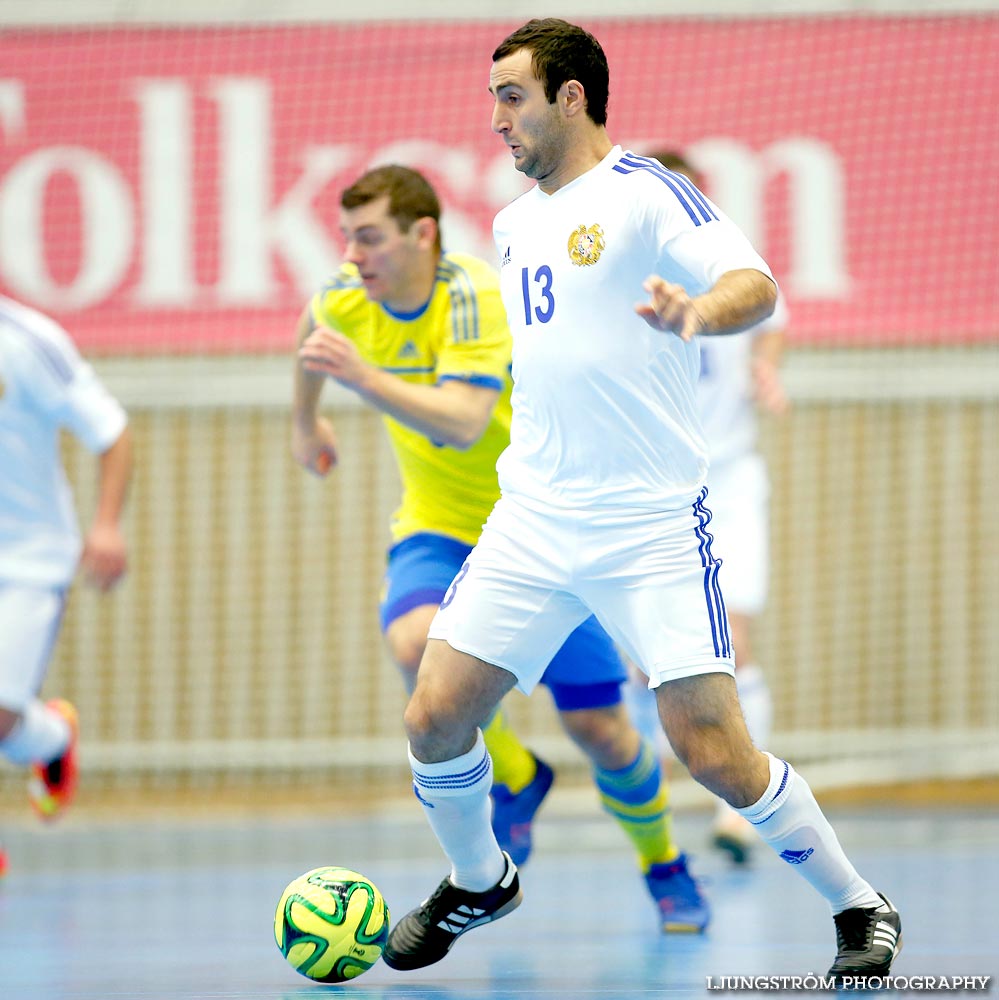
x,y
602,507
740,376
45,387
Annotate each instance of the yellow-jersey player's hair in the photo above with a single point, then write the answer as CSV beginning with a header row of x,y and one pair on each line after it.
x,y
461,333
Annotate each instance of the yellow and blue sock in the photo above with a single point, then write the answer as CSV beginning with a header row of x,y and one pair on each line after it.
x,y
513,764
638,798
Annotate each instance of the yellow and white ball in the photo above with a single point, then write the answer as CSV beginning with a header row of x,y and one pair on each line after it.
x,y
331,924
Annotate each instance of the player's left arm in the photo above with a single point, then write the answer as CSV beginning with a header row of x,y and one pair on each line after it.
x,y
738,300
105,553
453,412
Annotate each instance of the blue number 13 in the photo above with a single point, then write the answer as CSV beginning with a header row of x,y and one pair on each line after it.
x,y
542,277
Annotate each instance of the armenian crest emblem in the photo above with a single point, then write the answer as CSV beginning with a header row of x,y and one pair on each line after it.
x,y
586,244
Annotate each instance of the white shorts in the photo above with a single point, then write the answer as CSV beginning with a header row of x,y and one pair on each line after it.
x,y
739,502
649,577
30,618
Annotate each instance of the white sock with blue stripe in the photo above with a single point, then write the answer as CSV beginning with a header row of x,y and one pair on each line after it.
x,y
789,819
455,797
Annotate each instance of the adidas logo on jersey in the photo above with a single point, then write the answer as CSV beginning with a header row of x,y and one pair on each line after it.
x,y
797,857
409,350
506,258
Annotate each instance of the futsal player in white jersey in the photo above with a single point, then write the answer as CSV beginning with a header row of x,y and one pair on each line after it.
x,y
739,377
602,507
45,387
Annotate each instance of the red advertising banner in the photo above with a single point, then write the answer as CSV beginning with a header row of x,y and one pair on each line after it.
x,y
175,189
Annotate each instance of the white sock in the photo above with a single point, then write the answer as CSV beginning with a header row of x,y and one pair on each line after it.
x,y
757,705
455,797
789,819
39,737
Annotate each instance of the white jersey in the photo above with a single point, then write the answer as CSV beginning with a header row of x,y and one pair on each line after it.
x,y
725,389
44,386
604,408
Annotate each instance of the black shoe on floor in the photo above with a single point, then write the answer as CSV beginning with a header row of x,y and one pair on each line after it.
x,y
425,935
867,942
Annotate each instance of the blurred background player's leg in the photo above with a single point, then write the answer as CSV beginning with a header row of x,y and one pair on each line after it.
x,y
632,789
35,734
521,782
644,712
53,781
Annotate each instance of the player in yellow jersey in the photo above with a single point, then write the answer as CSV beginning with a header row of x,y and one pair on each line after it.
x,y
421,335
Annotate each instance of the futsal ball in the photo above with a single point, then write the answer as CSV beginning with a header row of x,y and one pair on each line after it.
x,y
331,924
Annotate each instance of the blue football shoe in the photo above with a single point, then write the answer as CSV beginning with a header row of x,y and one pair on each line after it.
x,y
682,908
513,813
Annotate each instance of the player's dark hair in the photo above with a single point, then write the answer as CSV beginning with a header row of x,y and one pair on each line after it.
x,y
410,195
562,51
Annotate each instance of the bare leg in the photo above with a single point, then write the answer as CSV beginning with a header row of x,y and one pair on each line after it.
x,y
455,695
705,726
731,832
605,735
704,723
628,777
406,638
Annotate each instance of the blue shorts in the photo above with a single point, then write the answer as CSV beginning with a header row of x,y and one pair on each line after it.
x,y
587,672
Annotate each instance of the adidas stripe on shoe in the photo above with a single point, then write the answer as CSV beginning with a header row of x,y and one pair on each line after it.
x,y
425,935
868,941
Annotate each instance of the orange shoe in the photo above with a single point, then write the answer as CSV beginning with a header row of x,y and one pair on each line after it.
x,y
3,862
52,785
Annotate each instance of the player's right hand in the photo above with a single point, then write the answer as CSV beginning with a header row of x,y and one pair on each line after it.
x,y
104,559
315,448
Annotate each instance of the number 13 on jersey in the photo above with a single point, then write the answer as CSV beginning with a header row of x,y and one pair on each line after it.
x,y
539,302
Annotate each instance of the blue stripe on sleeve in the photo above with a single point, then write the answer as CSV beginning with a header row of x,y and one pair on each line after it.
x,y
694,203
703,206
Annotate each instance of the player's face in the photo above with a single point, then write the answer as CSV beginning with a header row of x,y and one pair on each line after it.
x,y
532,128
384,254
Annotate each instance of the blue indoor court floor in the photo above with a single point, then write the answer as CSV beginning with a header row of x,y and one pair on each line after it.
x,y
182,909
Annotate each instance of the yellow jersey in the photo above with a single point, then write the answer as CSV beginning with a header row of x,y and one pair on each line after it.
x,y
460,333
